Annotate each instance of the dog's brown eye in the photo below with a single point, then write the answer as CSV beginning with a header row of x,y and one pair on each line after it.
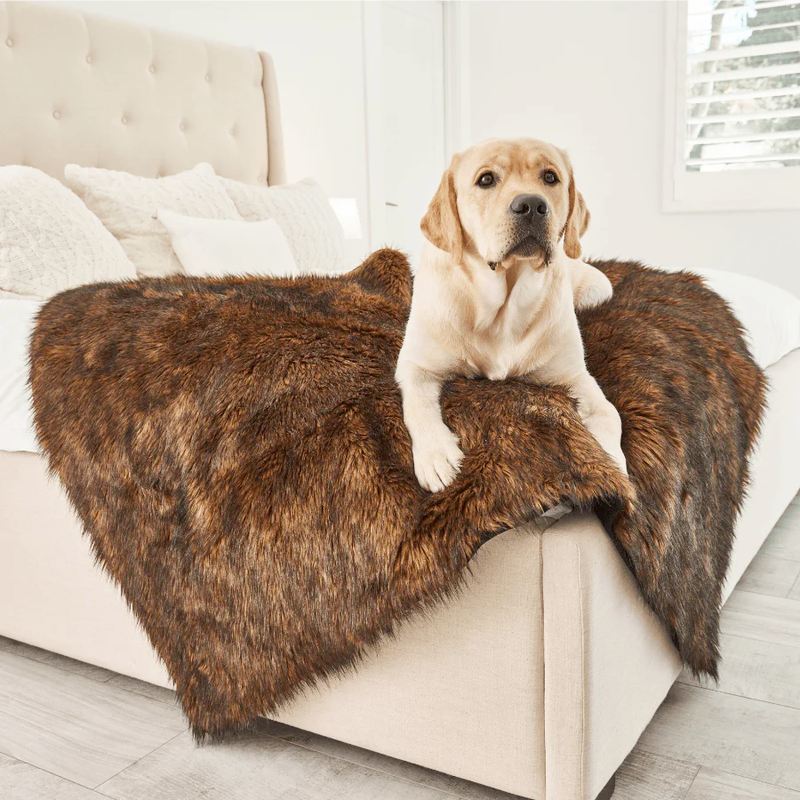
x,y
487,179
549,177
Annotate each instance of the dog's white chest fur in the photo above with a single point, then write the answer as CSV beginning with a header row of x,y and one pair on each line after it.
x,y
511,323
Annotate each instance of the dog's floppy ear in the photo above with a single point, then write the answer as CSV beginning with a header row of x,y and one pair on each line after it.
x,y
441,224
577,219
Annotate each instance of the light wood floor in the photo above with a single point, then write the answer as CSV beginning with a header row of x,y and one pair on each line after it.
x,y
71,731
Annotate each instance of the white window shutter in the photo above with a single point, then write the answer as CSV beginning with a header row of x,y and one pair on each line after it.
x,y
732,105
742,88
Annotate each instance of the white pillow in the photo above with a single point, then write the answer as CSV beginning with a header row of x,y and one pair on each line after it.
x,y
769,314
214,247
49,240
128,206
304,213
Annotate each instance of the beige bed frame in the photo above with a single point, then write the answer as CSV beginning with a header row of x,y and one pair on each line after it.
x,y
541,676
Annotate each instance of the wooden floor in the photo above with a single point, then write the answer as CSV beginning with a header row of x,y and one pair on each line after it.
x,y
71,731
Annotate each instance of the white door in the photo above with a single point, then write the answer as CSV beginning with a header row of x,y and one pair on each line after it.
x,y
412,66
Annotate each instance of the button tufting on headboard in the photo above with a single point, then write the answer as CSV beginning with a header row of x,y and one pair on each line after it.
x,y
131,107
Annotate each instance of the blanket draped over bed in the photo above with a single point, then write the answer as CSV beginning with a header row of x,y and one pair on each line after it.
x,y
236,451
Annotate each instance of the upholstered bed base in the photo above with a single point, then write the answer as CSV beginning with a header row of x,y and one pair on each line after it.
x,y
537,680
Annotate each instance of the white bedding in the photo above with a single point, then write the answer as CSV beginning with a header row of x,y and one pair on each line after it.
x,y
770,316
17,319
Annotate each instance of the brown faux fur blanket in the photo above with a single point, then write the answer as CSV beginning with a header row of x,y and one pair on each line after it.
x,y
236,451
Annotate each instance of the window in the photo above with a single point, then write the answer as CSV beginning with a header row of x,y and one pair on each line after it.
x,y
733,105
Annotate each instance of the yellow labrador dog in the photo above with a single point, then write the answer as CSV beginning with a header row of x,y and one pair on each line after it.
x,y
495,293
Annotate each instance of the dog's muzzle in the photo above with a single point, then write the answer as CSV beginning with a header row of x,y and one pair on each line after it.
x,y
530,214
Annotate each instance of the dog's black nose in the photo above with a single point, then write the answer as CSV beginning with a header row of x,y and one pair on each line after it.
x,y
529,205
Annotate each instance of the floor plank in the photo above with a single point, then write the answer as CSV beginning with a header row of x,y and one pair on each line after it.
x,y
795,592
385,764
758,616
254,766
792,513
80,729
770,575
784,541
144,689
711,784
21,781
55,660
645,776
732,734
755,669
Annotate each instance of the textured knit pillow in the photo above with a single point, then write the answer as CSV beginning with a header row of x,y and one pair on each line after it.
x,y
128,206
49,241
305,216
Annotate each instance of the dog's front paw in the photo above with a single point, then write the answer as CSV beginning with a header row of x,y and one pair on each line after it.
x,y
594,289
609,440
606,426
619,458
437,459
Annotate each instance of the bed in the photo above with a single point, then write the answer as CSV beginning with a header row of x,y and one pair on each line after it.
x,y
540,677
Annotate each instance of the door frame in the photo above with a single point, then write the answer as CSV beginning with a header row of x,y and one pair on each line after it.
x,y
455,49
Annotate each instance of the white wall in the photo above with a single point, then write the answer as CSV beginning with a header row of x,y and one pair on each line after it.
x,y
318,53
589,77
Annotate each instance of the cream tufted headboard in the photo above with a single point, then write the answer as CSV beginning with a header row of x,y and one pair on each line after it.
x,y
85,90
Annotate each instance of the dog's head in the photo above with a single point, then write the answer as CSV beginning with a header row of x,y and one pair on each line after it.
x,y
507,200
